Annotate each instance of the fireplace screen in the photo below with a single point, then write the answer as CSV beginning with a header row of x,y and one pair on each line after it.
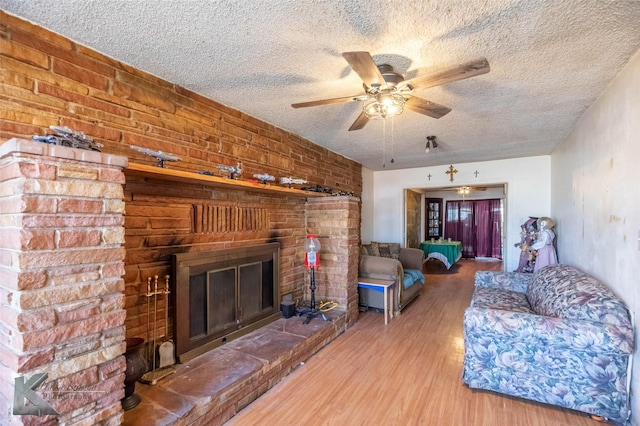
x,y
223,294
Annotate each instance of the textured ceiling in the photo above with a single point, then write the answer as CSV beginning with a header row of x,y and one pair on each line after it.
x,y
549,61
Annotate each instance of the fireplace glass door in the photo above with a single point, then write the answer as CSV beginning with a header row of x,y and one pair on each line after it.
x,y
224,294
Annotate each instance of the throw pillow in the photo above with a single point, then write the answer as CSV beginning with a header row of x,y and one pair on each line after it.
x,y
375,249
387,250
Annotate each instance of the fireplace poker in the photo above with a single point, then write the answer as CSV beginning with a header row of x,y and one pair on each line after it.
x,y
148,316
152,377
155,318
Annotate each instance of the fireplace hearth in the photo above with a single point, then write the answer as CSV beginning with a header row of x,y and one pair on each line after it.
x,y
224,294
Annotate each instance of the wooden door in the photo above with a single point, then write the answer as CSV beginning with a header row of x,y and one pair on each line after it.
x,y
433,218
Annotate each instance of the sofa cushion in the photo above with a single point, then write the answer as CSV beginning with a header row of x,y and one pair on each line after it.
x,y
506,300
563,291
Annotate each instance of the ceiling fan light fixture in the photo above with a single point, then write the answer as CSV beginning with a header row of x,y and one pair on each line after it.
x,y
384,105
464,190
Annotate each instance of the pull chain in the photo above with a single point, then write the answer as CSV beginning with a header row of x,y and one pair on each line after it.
x,y
392,140
384,142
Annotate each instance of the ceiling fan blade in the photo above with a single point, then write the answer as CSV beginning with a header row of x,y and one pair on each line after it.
x,y
448,75
360,122
426,107
362,63
330,101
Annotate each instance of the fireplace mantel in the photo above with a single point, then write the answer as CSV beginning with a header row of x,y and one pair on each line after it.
x,y
172,175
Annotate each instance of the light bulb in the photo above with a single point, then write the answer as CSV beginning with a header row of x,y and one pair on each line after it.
x,y
426,149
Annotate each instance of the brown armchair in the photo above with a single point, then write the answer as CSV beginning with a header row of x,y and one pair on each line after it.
x,y
389,261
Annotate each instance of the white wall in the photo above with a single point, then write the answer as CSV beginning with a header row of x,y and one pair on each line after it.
x,y
366,215
528,194
595,196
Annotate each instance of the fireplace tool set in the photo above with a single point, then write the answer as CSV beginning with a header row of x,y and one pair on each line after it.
x,y
165,351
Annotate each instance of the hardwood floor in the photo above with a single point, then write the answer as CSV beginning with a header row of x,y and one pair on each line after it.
x,y
405,373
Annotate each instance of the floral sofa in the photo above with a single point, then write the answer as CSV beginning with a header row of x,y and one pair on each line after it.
x,y
557,336
389,261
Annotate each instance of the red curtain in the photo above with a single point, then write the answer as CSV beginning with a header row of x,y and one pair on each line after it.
x,y
478,225
459,225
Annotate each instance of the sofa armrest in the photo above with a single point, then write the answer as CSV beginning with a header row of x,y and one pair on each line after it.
x,y
382,268
536,331
411,258
514,281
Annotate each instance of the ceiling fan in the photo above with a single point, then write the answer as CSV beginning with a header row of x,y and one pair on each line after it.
x,y
465,190
387,92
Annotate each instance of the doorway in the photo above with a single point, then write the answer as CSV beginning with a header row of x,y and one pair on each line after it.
x,y
441,195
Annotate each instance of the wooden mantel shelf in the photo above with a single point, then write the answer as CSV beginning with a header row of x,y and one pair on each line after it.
x,y
159,173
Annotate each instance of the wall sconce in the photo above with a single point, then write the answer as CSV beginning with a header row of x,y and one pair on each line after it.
x,y
431,144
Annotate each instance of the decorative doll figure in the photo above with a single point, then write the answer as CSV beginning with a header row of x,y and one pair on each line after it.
x,y
527,236
544,244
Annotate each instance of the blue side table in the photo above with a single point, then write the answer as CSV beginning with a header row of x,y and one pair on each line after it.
x,y
382,286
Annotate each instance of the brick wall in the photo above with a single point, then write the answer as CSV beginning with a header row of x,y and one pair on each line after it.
x,y
336,223
50,80
61,292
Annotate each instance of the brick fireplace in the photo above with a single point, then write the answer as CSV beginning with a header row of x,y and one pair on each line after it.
x,y
50,80
62,263
163,221
61,292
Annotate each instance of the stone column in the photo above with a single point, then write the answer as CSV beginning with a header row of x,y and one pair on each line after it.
x,y
336,222
61,290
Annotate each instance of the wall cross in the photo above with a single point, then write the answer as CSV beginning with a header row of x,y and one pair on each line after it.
x,y
450,172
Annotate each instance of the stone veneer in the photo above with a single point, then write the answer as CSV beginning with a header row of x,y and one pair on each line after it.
x,y
61,287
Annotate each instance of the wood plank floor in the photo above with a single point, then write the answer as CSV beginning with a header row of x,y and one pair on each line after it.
x,y
405,373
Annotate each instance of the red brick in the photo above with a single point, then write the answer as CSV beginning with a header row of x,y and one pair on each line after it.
x,y
68,221
67,331
17,280
27,239
24,362
81,75
37,319
16,129
60,47
110,368
145,98
75,205
112,175
59,258
24,54
38,170
82,312
80,380
111,270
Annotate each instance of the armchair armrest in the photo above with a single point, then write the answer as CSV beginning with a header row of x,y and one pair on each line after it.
x,y
411,258
514,281
383,268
